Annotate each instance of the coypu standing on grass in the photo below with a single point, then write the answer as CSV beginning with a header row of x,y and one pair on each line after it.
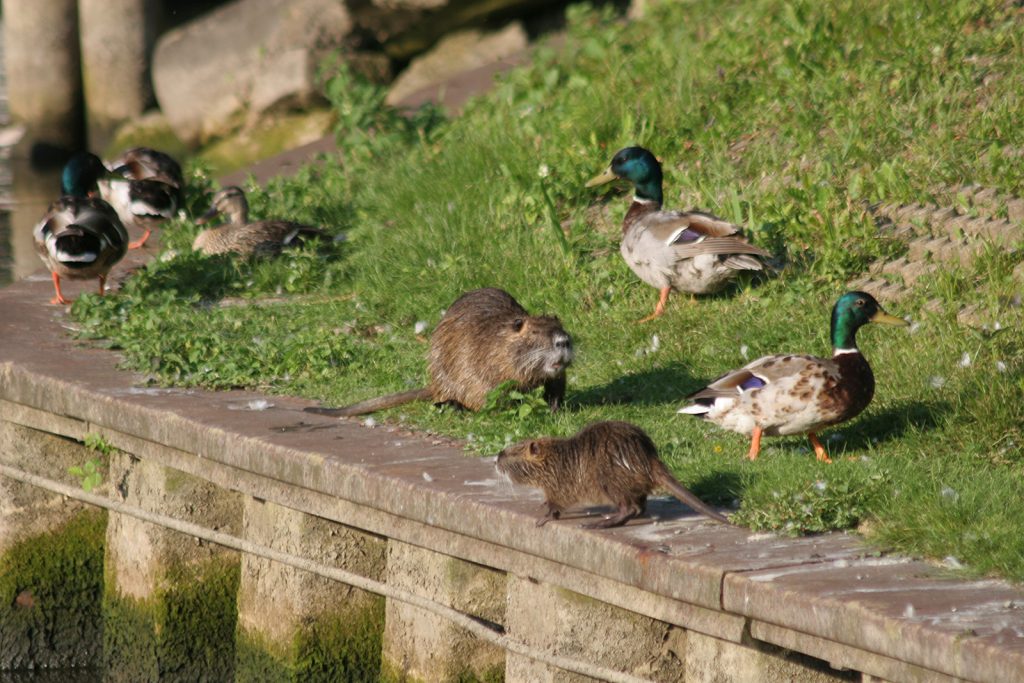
x,y
484,339
605,462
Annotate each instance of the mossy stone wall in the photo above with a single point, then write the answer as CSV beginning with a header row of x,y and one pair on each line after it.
x,y
51,589
297,626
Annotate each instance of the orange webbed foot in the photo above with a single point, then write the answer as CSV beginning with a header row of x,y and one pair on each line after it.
x,y
819,449
659,310
141,241
755,443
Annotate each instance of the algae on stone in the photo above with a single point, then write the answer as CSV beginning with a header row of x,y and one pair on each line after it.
x,y
184,632
51,589
332,647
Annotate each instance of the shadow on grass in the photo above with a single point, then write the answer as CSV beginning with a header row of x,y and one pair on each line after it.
x,y
893,423
664,385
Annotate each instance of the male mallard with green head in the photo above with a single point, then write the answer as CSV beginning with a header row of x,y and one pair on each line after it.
x,y
80,237
239,236
686,251
146,191
789,394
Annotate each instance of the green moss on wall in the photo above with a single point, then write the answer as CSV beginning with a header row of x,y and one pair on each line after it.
x,y
184,632
336,647
51,589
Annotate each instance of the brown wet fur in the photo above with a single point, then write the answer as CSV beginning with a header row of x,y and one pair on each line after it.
x,y
484,339
605,462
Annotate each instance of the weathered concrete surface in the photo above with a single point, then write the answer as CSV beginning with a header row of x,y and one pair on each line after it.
x,y
572,625
282,610
25,511
896,608
116,39
423,646
41,64
243,59
710,660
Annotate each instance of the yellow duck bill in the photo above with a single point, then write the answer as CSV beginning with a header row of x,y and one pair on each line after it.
x,y
605,177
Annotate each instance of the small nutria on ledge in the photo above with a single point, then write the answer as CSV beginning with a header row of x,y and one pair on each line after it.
x,y
484,339
605,462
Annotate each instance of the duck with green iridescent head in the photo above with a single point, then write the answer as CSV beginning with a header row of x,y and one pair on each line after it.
x,y
684,251
81,236
793,394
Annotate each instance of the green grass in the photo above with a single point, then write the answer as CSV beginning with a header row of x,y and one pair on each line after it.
x,y
784,116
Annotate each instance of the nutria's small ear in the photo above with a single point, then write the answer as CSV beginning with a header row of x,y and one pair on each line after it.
x,y
533,452
517,324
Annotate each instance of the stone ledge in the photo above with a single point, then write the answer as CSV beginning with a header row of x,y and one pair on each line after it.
x,y
825,596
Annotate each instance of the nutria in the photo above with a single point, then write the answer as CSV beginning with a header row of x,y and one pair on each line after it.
x,y
484,339
605,462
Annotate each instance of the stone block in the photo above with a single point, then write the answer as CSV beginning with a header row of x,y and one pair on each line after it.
x,y
843,658
116,41
243,59
292,624
456,53
565,623
41,64
710,660
51,558
170,599
1015,210
408,27
422,646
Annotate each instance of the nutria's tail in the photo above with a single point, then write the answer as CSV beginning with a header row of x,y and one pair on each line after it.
x,y
665,478
374,404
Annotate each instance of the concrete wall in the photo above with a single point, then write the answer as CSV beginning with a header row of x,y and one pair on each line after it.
x,y
676,599
179,608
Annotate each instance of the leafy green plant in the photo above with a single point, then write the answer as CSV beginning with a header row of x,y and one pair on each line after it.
x,y
96,442
508,400
90,473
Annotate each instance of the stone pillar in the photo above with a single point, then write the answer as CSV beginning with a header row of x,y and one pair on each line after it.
x,y
117,38
169,598
711,660
297,626
422,646
572,625
44,83
51,558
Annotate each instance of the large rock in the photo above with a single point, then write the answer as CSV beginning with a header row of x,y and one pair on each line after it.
x,y
454,54
408,27
243,59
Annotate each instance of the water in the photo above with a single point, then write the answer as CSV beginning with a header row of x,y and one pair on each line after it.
x,y
24,195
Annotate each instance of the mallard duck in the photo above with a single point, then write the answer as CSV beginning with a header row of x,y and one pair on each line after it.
x,y
789,394
239,236
80,237
686,251
147,190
